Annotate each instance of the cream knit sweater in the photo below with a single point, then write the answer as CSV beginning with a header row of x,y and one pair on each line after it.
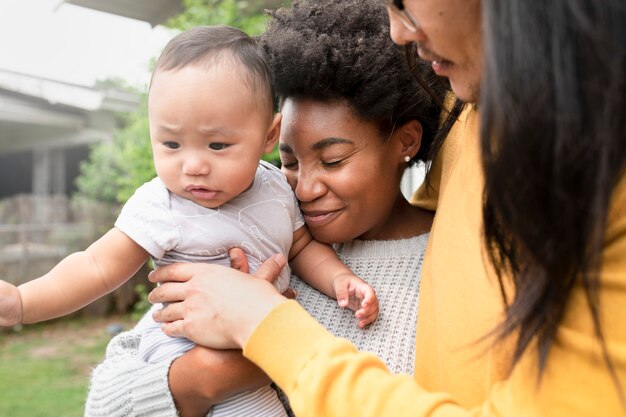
x,y
122,385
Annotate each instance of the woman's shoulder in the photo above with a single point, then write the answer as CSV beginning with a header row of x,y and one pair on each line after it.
x,y
464,133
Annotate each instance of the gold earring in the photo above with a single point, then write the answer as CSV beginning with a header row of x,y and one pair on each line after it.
x,y
407,158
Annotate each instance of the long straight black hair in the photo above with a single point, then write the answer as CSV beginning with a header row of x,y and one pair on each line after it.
x,y
553,135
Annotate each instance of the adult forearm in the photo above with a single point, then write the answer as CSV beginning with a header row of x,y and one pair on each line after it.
x,y
204,377
325,376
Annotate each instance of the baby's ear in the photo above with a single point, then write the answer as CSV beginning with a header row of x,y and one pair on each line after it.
x,y
273,133
409,137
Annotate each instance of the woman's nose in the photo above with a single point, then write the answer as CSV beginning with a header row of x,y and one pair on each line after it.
x,y
308,187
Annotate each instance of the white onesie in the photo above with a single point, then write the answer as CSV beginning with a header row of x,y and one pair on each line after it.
x,y
261,221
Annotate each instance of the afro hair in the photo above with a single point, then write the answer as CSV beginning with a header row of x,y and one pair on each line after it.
x,y
331,50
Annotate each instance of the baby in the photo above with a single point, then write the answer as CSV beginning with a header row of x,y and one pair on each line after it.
x,y
211,115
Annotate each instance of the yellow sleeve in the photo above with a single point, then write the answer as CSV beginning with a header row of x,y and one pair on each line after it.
x,y
325,376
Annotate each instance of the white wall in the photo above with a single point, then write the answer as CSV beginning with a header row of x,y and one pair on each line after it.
x,y
413,178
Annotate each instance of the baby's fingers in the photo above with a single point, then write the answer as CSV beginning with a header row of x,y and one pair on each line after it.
x,y
367,319
369,297
366,316
343,296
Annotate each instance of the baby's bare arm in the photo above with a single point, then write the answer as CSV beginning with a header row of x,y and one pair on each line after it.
x,y
82,277
316,263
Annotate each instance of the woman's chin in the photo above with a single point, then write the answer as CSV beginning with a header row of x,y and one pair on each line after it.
x,y
323,236
331,234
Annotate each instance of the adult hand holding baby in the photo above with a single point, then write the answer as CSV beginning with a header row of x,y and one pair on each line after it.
x,y
213,305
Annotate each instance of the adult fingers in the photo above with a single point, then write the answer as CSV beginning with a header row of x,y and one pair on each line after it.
x,y
174,329
290,293
270,269
169,313
238,260
178,272
168,292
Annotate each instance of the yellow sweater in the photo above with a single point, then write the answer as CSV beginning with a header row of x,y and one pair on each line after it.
x,y
456,373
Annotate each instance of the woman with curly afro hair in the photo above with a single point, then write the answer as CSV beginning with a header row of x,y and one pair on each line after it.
x,y
354,117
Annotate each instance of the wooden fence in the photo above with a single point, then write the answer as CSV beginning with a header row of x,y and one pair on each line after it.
x,y
37,232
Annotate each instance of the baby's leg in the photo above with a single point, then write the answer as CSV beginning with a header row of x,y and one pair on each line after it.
x,y
156,346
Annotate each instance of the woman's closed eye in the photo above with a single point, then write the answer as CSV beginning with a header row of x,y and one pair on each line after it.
x,y
289,164
333,163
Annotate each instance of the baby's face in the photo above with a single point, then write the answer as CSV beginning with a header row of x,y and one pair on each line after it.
x,y
207,131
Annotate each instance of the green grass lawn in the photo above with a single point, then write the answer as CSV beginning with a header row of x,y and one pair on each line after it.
x,y
44,369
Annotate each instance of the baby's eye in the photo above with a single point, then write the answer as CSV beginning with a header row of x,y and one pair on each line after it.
x,y
171,145
218,146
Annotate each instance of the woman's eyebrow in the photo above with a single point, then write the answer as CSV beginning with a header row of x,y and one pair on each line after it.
x,y
324,143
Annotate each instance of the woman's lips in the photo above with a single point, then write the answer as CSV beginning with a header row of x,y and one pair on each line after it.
x,y
319,218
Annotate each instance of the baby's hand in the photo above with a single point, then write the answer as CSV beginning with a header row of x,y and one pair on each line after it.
x,y
356,294
10,305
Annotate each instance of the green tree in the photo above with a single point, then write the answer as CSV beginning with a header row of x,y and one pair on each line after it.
x,y
116,168
237,13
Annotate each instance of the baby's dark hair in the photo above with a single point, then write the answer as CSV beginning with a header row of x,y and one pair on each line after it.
x,y
208,45
332,50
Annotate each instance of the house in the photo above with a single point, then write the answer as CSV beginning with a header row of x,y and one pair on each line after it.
x,y
152,11
46,127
